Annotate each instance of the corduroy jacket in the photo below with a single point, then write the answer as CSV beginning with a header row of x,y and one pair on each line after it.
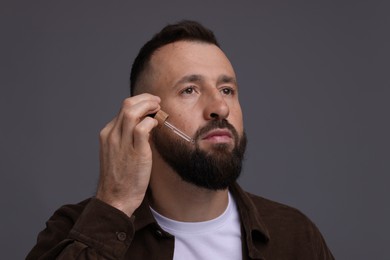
x,y
93,229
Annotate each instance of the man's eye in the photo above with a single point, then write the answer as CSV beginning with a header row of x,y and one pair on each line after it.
x,y
227,91
188,90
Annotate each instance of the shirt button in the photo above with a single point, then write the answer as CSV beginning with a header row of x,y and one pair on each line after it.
x,y
121,236
159,233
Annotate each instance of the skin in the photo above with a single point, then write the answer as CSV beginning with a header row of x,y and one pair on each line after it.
x,y
194,83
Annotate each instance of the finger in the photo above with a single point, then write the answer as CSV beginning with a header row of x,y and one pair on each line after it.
x,y
104,133
115,128
112,132
142,133
130,102
132,117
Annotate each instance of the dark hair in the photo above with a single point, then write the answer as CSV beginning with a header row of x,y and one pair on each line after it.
x,y
184,30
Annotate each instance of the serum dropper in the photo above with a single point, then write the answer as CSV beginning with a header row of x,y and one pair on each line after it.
x,y
162,117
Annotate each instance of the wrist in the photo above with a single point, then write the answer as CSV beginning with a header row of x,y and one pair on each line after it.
x,y
126,206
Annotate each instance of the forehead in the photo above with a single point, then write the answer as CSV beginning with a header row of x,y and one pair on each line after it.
x,y
179,59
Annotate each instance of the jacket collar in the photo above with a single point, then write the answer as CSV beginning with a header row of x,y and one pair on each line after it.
x,y
143,215
256,233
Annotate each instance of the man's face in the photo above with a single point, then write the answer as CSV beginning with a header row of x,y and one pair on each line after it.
x,y
198,90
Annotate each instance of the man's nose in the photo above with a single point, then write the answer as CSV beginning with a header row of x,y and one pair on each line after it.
x,y
216,106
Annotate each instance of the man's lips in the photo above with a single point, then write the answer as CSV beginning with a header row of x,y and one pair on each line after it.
x,y
218,135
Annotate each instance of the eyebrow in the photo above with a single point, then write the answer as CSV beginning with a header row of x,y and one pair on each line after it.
x,y
193,78
196,78
226,79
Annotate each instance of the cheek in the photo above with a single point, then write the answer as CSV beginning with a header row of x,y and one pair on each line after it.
x,y
188,122
236,119
239,126
184,119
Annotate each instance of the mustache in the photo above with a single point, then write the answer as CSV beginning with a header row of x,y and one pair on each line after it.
x,y
214,124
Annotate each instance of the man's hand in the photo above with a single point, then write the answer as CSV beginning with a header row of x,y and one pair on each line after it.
x,y
125,154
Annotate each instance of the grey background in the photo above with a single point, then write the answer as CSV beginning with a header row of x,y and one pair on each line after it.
x,y
314,87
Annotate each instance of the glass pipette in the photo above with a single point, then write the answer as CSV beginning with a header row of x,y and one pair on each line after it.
x,y
162,117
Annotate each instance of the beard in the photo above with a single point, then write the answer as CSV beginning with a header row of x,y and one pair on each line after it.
x,y
215,169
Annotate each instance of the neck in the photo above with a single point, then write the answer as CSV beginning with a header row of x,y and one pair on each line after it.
x,y
181,201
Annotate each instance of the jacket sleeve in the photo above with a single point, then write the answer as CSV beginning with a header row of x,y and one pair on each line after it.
x,y
96,231
322,248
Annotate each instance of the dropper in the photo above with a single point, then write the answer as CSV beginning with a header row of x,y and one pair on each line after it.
x,y
162,117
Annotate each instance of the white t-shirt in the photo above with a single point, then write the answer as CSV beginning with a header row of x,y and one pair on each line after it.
x,y
219,238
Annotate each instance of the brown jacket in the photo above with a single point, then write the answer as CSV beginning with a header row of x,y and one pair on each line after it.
x,y
95,230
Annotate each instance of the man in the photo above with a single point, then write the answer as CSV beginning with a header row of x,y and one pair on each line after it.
x,y
162,197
